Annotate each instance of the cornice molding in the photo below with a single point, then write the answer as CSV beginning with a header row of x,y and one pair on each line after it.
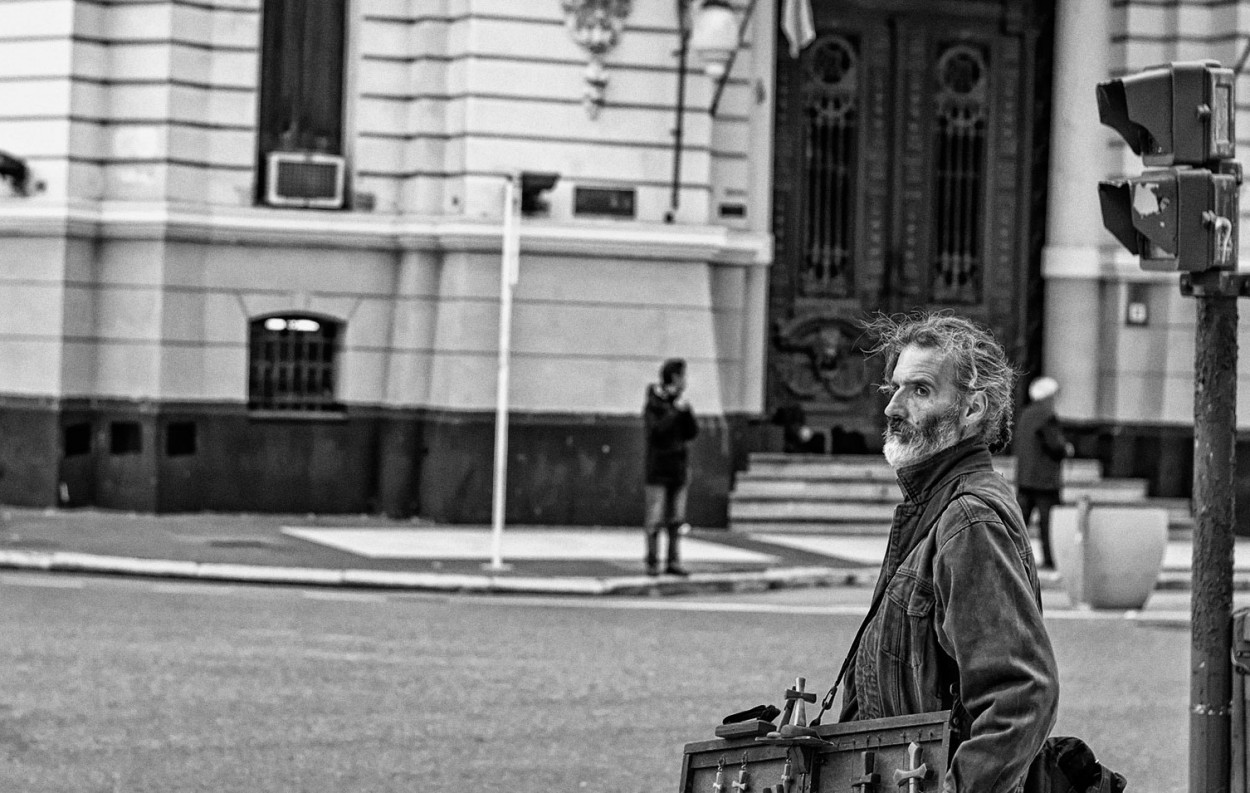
x,y
408,233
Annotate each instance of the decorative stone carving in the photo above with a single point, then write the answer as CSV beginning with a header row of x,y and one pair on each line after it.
x,y
821,358
596,25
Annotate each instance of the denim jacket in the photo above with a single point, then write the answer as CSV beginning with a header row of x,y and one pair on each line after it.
x,y
960,622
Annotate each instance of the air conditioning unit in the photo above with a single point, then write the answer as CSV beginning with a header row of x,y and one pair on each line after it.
x,y
305,179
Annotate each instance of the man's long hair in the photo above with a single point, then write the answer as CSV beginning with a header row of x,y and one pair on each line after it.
x,y
981,365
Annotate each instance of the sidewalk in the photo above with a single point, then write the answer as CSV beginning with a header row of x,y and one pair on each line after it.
x,y
365,551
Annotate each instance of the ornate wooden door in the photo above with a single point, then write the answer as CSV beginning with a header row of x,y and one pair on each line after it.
x,y
901,181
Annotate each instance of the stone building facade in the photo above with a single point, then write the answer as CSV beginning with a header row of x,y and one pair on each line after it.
x,y
180,329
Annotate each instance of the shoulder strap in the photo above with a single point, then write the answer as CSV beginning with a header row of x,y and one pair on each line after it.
x,y
827,702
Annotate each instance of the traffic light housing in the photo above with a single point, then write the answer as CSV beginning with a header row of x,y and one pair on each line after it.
x,y
1175,219
1184,216
1180,114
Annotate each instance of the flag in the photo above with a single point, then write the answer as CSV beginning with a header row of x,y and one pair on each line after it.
x,y
796,23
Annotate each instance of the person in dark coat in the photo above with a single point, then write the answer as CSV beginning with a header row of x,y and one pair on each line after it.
x,y
1040,451
956,615
670,426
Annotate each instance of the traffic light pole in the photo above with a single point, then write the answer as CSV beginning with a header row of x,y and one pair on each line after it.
x,y
1215,422
1183,216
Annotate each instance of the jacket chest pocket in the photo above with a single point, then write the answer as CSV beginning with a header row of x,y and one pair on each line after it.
x,y
907,620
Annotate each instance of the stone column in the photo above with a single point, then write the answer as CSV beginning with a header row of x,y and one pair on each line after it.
x,y
1078,159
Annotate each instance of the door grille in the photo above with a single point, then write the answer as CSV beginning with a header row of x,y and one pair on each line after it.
x,y
831,150
959,163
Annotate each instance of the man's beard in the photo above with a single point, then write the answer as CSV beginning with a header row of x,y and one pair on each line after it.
x,y
906,444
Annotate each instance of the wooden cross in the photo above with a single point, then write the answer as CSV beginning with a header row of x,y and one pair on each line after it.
x,y
742,784
795,697
867,781
719,785
912,776
787,776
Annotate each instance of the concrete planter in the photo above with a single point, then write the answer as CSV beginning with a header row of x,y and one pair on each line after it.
x,y
1109,556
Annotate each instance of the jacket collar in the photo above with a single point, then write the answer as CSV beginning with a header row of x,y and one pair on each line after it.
x,y
920,480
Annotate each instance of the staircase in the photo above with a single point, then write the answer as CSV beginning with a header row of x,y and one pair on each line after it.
x,y
856,495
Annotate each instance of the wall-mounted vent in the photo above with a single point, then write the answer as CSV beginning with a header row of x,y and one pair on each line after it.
x,y
608,201
305,179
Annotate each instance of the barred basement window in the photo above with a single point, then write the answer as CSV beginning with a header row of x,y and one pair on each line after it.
x,y
293,363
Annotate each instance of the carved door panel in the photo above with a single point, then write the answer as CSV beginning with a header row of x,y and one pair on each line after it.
x,y
900,178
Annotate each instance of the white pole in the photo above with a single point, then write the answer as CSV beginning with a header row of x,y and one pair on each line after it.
x,y
509,272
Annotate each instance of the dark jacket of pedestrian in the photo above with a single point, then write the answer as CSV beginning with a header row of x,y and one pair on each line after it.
x,y
669,428
960,612
1040,447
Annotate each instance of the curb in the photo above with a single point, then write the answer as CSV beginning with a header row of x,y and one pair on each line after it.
x,y
781,578
1168,581
1183,580
621,586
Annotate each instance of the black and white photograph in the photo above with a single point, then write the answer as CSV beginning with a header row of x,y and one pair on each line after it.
x,y
624,396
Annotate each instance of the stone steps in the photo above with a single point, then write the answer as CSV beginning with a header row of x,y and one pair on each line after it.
x,y
751,488
856,496
874,518
830,511
874,467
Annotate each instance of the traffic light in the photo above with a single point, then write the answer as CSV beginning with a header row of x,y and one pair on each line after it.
x,y
1180,114
1175,218
1182,217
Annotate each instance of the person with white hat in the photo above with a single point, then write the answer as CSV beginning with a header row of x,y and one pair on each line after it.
x,y
1040,450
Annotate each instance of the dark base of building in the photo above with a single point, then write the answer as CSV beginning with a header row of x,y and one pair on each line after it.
x,y
1163,455
562,469
190,457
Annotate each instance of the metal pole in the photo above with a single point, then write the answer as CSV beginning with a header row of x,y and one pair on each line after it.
x,y
1215,421
509,273
733,56
683,36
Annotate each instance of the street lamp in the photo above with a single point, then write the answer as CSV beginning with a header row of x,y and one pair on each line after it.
x,y
714,37
715,34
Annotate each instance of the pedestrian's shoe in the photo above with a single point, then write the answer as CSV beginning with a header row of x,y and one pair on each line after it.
x,y
653,569
676,569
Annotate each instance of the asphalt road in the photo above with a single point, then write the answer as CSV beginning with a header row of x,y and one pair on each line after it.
x,y
112,685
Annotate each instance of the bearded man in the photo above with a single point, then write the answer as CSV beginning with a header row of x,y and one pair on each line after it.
x,y
956,617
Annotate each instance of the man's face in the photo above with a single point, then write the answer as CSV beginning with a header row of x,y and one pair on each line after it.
x,y
677,385
925,414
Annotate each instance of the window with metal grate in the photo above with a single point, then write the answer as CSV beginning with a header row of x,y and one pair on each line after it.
x,y
293,362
